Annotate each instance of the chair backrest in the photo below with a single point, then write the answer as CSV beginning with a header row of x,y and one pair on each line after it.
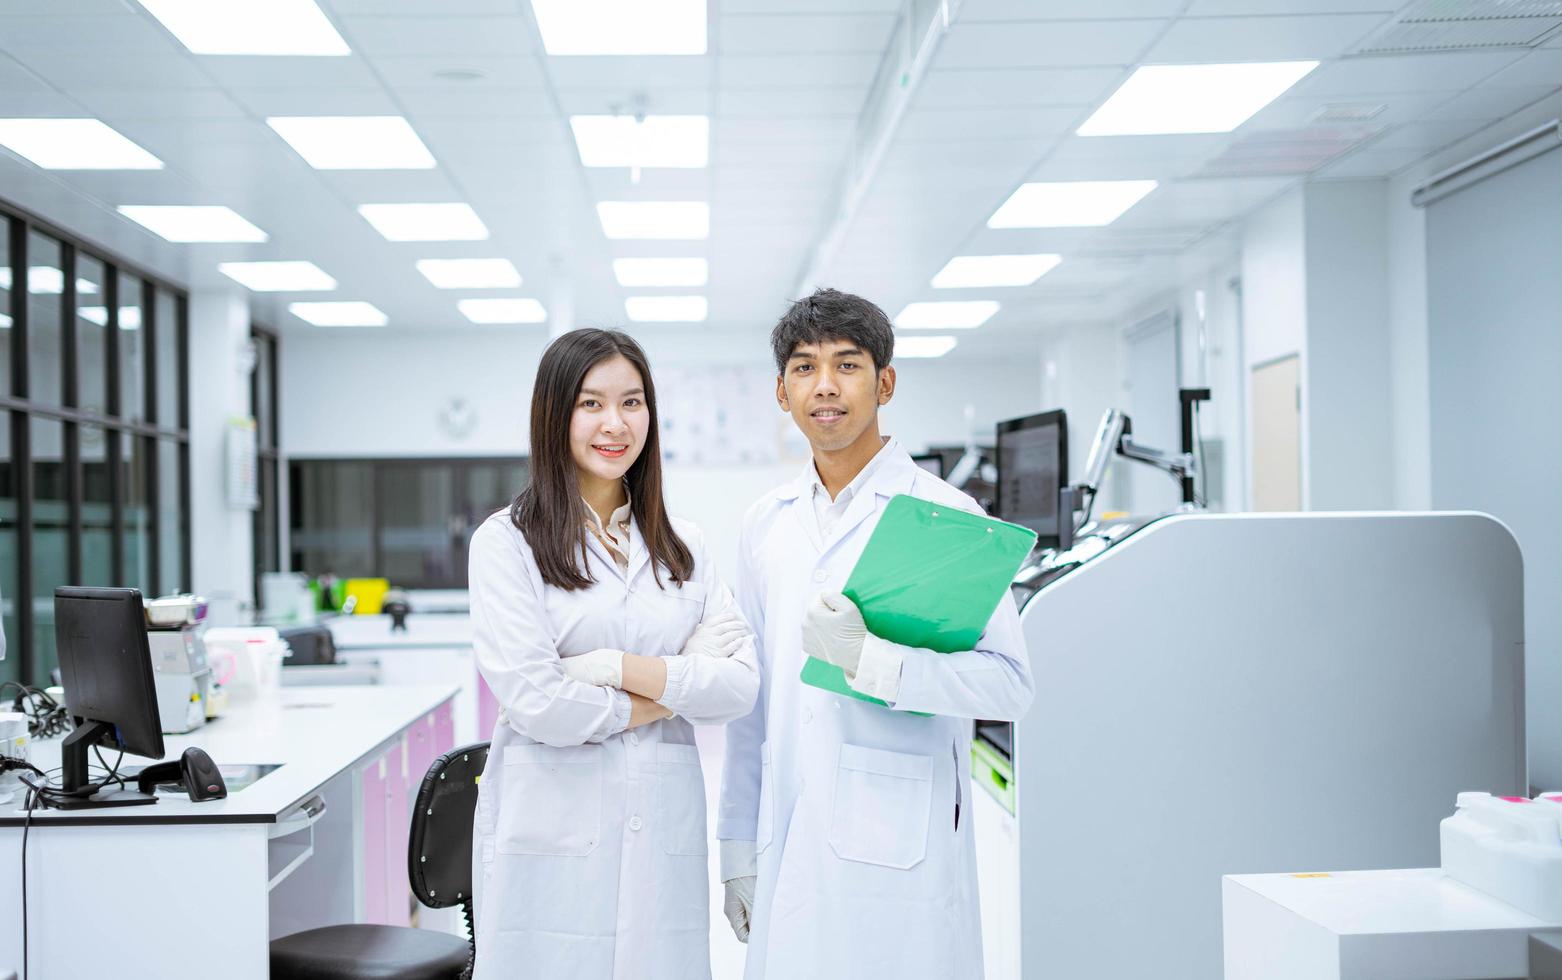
x,y
439,855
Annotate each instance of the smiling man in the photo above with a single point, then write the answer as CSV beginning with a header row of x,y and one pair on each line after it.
x,y
845,827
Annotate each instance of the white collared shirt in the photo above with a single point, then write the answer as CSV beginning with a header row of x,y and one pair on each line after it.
x,y
827,512
615,536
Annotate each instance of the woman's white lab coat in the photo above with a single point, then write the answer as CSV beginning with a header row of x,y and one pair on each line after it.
x,y
589,856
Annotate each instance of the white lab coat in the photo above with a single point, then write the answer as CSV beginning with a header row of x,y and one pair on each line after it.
x,y
865,869
589,857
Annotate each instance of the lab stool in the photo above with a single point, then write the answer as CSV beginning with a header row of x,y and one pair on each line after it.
x,y
439,864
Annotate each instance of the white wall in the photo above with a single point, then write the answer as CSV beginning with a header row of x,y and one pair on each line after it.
x,y
221,538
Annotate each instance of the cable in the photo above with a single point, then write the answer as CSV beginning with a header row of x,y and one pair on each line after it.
x,y
27,825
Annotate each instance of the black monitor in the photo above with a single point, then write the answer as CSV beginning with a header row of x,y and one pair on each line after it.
x,y
932,462
1032,468
106,667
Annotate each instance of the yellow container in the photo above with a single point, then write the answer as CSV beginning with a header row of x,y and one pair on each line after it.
x,y
370,593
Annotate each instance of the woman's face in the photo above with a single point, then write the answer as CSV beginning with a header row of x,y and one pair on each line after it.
x,y
608,428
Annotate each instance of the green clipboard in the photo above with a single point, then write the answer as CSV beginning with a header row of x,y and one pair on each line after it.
x,y
930,576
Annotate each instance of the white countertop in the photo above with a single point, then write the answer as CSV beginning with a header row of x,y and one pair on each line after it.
x,y
1418,900
374,632
315,733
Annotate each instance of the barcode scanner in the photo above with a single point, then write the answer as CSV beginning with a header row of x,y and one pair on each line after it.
x,y
194,770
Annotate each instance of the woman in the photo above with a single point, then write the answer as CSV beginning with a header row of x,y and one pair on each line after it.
x,y
604,632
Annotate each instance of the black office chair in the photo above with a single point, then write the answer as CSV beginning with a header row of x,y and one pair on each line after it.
x,y
439,864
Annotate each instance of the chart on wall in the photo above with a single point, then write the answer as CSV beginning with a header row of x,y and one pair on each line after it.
x,y
719,415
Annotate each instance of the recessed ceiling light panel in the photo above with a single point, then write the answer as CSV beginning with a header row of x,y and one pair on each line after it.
x,y
685,220
1163,99
277,277
522,310
470,273
352,313
973,271
263,27
354,142
955,315
621,27
199,223
425,222
1069,204
74,144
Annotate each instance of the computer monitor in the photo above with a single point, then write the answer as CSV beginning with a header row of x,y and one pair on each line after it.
x,y
106,667
1032,468
932,462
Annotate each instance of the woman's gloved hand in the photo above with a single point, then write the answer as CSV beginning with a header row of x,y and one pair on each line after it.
x,y
603,668
719,636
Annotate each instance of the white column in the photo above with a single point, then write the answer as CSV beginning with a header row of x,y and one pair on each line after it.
x,y
221,538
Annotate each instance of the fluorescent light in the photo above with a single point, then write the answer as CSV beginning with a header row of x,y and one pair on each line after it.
x,y
425,222
685,220
470,273
277,277
129,316
652,141
967,271
204,223
270,27
74,144
616,27
1069,204
354,142
503,310
924,346
352,313
1159,99
48,281
661,272
666,309
5,321
962,315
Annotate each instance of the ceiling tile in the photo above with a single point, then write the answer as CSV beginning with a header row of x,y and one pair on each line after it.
x,y
1217,8
1373,161
1290,112
791,103
427,8
797,71
423,71
168,104
1214,40
835,34
440,35
451,134
1014,87
666,101
92,73
316,102
479,101
1543,67
823,130
630,74
980,10
80,8
122,33
1404,73
944,125
244,71
1429,135
1130,157
728,7
391,186
1491,102
1051,45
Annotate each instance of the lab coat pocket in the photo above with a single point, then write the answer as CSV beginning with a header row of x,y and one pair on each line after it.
x,y
552,800
882,803
765,827
680,792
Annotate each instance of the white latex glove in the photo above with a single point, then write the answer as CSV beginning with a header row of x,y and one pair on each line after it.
x,y
719,636
603,668
739,904
833,631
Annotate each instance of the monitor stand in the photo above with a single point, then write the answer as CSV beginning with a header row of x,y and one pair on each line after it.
x,y
73,774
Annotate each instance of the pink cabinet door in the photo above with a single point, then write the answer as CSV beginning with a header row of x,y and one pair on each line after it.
x,y
445,729
398,806
422,750
374,779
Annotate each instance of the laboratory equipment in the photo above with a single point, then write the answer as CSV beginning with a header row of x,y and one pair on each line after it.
x,y
179,668
247,660
1509,847
194,772
397,607
1032,468
101,638
1285,691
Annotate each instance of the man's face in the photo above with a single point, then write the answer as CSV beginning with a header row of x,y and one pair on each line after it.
x,y
833,393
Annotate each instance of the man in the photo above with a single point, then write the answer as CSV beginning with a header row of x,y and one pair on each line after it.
x,y
845,826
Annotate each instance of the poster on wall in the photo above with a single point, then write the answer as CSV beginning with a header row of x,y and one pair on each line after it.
x,y
243,465
719,416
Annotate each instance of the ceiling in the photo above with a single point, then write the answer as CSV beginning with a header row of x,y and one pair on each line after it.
x,y
786,84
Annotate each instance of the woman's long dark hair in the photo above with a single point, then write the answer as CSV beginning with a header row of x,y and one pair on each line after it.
x,y
549,511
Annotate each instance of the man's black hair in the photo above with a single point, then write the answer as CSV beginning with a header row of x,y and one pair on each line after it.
x,y
830,314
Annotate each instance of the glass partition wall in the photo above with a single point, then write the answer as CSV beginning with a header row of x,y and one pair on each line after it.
x,y
94,435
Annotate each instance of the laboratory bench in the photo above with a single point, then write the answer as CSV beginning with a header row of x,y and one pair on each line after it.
x,y
182,889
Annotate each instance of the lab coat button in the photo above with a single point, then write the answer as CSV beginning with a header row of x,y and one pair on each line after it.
x,y
634,738
820,575
635,823
808,715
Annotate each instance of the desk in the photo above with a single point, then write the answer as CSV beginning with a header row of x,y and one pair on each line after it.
x,y
192,890
1371,925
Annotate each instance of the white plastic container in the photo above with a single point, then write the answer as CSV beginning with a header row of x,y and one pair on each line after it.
x,y
247,660
1508,847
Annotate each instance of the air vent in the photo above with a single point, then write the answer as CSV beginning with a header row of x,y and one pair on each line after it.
x,y
1466,25
1347,113
1284,152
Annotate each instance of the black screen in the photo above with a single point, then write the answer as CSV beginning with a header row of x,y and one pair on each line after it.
x,y
1032,468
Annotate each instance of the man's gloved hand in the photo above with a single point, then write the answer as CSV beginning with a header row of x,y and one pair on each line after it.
x,y
719,636
603,668
739,904
739,872
833,631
